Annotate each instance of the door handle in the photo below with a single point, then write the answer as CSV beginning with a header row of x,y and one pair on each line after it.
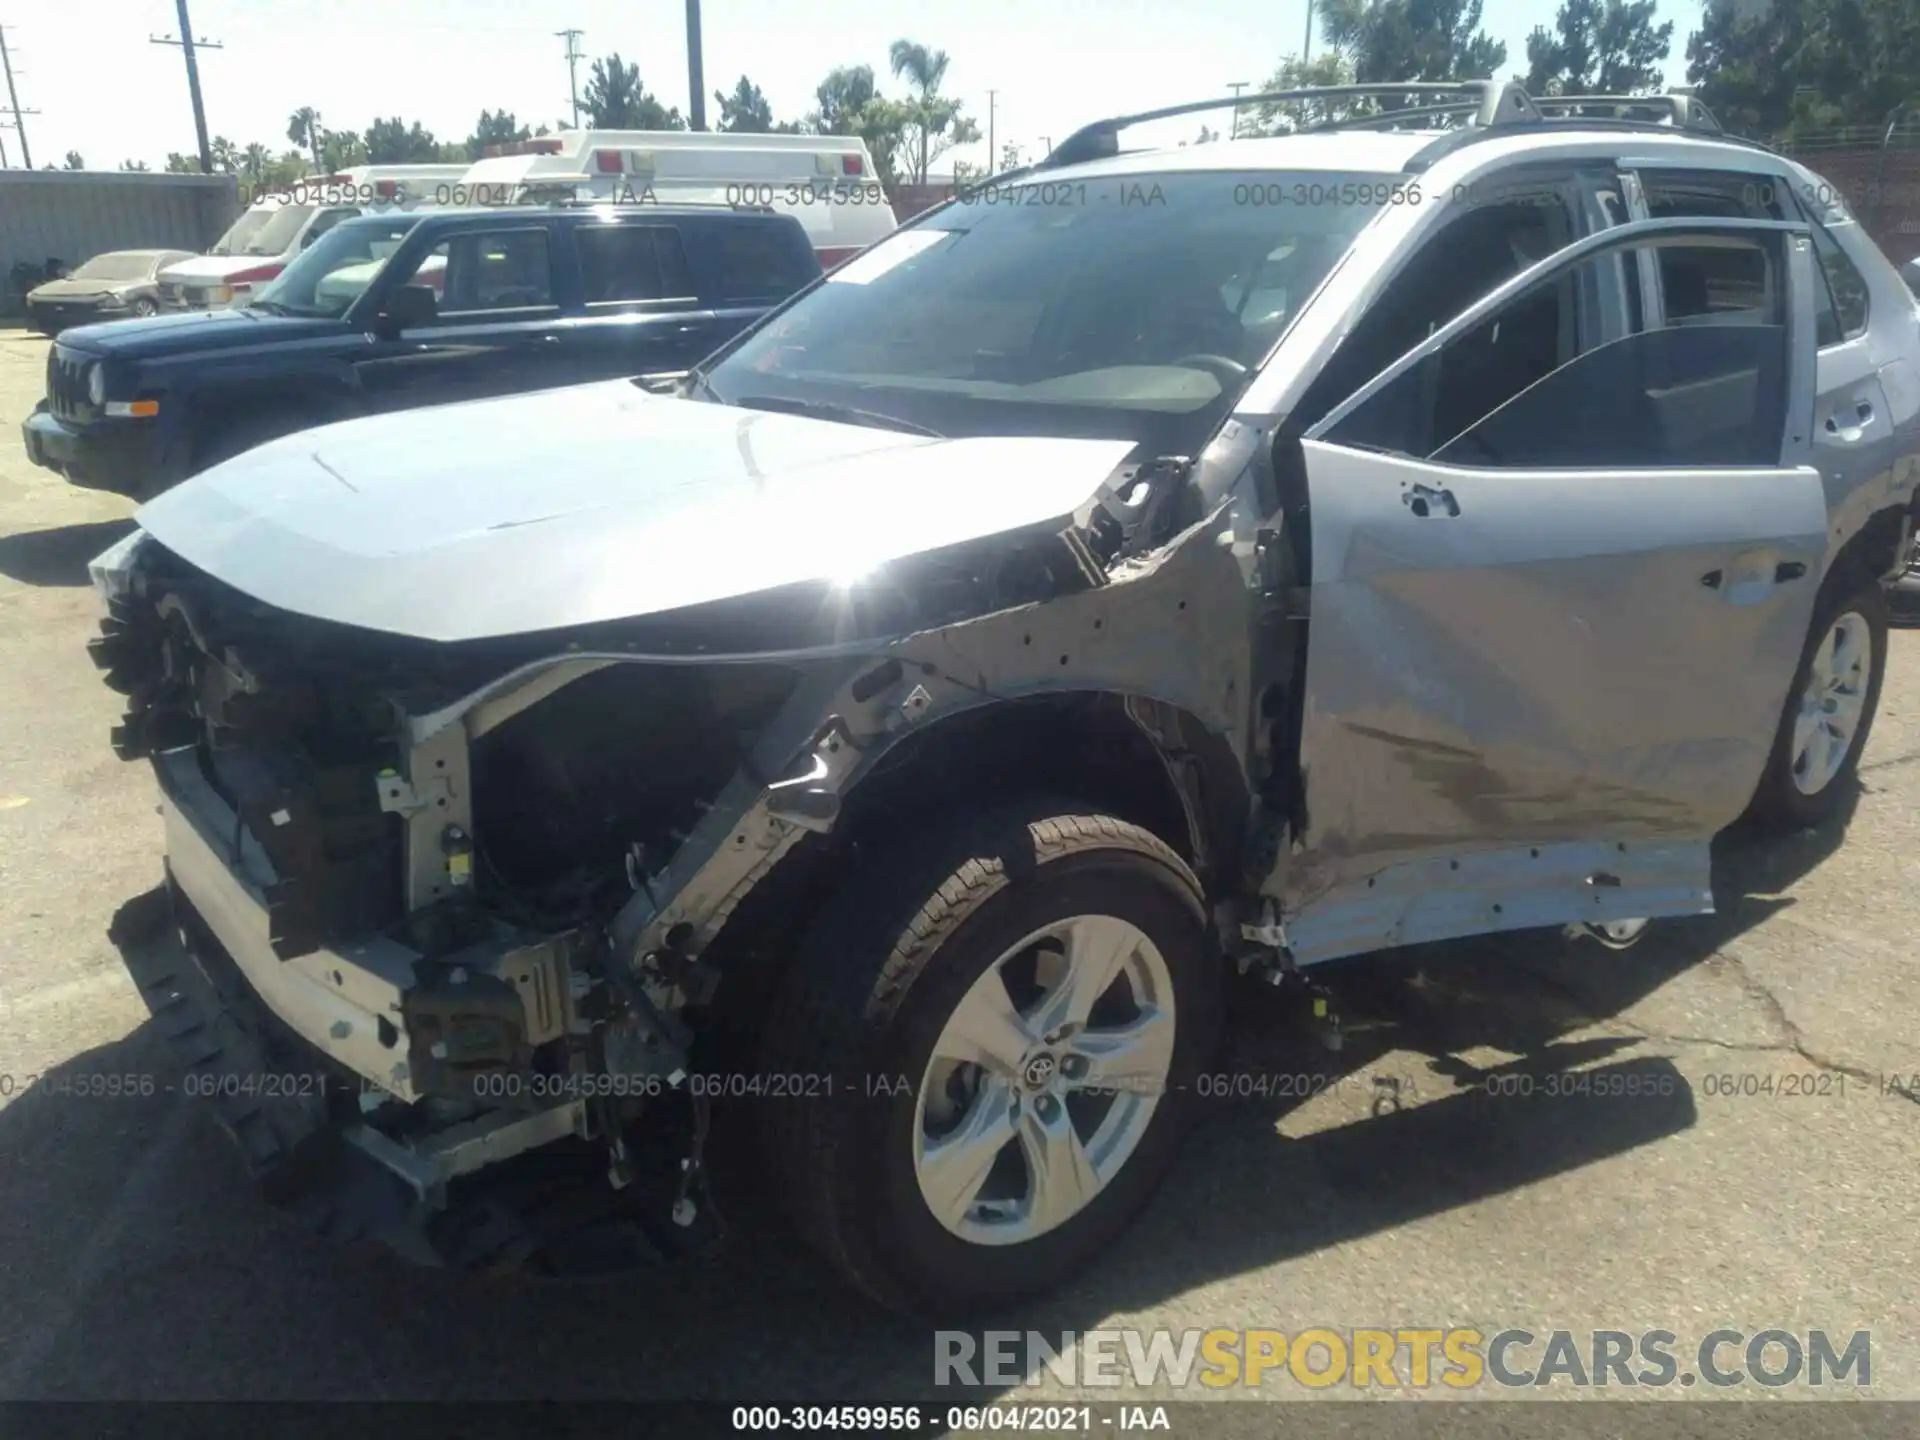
x,y
1788,570
1712,579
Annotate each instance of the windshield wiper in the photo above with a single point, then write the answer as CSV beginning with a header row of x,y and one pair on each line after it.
x,y
272,307
846,414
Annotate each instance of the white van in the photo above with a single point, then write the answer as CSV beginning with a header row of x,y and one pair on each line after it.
x,y
826,182
277,226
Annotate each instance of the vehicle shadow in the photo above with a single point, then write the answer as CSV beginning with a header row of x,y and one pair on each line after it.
x,y
141,1266
58,557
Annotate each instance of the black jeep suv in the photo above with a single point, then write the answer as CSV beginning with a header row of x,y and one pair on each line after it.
x,y
387,312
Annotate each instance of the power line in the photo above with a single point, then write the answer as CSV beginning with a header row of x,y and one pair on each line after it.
x,y
13,101
574,57
188,44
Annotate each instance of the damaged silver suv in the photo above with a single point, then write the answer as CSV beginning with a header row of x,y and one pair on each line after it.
x,y
1149,563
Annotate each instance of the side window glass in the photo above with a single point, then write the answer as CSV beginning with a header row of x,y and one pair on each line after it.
x,y
1475,252
1503,395
1846,286
617,263
1715,285
497,270
323,222
756,264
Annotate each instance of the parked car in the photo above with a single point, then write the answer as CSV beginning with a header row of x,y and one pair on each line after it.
x,y
278,225
114,286
1150,565
388,312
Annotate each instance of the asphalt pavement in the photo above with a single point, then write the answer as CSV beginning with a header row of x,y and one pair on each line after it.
x,y
1760,1173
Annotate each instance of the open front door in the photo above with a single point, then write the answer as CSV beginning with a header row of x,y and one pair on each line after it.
x,y
1563,566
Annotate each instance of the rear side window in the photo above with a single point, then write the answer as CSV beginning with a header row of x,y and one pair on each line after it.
x,y
1843,308
1721,284
620,264
758,264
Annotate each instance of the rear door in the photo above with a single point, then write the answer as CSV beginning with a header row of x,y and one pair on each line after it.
x,y
640,311
1562,568
1854,442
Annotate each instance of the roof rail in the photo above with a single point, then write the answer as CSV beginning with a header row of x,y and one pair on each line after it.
x,y
1488,102
1683,110
1699,122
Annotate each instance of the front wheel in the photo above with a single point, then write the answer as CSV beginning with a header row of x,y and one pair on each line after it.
x,y
1001,1030
1829,711
145,306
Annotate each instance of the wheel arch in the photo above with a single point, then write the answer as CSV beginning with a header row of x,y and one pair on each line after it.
x,y
1139,759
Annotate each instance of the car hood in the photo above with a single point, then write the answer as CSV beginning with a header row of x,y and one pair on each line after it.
x,y
70,289
203,269
597,502
157,337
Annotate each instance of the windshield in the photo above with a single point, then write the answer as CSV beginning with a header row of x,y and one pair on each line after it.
x,y
276,237
330,274
1133,308
115,267
240,234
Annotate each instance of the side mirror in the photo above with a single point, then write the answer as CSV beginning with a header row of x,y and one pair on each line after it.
x,y
406,306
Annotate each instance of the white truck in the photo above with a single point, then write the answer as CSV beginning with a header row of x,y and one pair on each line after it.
x,y
827,182
279,224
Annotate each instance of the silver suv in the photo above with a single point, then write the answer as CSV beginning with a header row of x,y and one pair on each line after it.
x,y
1147,564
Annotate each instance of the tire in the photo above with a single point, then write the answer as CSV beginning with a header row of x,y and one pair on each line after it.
x,y
1791,797
867,1002
145,306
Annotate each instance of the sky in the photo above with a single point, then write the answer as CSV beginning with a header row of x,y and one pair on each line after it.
x,y
101,87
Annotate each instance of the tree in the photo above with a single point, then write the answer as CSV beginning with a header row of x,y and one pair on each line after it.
x,y
339,149
133,165
1330,67
225,155
254,161
493,129
850,105
74,162
393,142
935,123
746,111
1401,40
616,100
843,95
303,128
1796,67
178,164
1598,47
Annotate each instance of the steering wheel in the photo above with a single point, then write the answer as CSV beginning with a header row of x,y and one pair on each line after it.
x,y
1226,363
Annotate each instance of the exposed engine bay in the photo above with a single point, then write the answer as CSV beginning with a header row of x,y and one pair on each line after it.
x,y
481,880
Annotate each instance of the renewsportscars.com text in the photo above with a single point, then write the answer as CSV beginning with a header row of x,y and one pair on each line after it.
x,y
1458,1357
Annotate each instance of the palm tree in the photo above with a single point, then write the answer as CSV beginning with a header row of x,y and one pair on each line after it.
x,y
255,160
923,69
225,155
303,128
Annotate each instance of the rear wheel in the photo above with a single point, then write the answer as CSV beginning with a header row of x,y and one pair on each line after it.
x,y
145,305
1829,711
996,1036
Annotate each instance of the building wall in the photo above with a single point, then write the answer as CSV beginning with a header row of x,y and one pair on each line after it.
x,y
73,215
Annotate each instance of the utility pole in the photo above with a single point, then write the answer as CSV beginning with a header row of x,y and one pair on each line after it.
x,y
188,45
993,155
572,37
13,101
697,111
1236,86
1306,46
